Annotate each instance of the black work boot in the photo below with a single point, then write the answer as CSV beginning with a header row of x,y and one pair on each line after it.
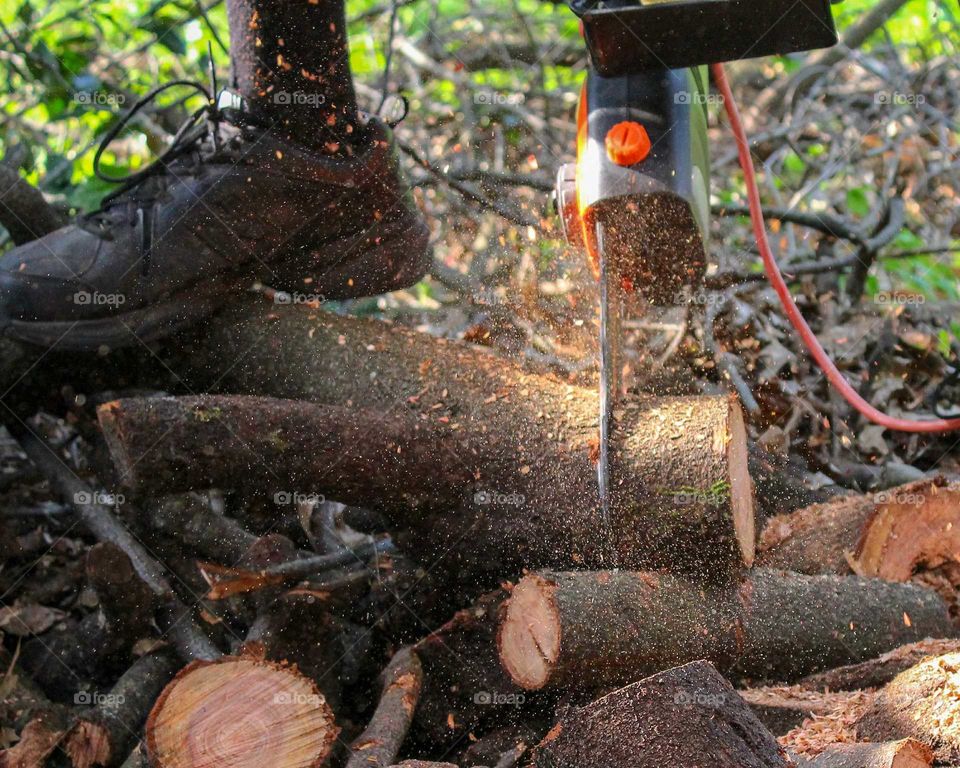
x,y
208,219
244,193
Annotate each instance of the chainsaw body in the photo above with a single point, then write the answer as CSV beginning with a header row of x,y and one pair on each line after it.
x,y
653,211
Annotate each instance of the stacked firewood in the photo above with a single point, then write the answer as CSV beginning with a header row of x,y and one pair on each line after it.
x,y
464,601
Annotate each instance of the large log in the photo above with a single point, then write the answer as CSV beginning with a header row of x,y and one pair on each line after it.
x,y
592,629
888,534
491,461
240,711
686,717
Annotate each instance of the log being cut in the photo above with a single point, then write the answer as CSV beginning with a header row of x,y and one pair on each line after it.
x,y
595,629
889,534
468,447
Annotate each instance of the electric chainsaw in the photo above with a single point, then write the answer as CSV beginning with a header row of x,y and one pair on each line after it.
x,y
637,198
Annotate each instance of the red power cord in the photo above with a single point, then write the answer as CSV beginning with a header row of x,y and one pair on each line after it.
x,y
780,286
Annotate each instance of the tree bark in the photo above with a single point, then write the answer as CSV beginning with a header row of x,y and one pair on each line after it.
x,y
380,742
518,485
888,534
907,753
685,717
23,211
105,734
241,711
593,629
920,703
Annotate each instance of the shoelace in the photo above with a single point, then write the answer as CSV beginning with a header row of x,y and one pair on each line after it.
x,y
203,122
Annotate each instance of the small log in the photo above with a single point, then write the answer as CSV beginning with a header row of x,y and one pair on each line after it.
x,y
189,518
922,703
466,689
240,711
498,451
874,673
889,534
578,629
380,742
685,717
106,733
907,753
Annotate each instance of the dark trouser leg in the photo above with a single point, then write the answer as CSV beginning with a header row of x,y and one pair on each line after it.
x,y
290,62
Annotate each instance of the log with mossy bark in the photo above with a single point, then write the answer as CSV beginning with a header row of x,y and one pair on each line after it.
x,y
685,717
888,534
493,463
594,629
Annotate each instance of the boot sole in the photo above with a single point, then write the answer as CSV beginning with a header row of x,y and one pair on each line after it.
x,y
198,302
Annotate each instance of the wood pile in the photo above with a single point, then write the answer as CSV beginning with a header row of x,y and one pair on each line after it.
x,y
363,546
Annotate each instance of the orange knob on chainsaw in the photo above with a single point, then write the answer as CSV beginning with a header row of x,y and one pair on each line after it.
x,y
627,143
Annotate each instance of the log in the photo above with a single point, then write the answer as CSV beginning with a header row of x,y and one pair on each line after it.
x,y
466,690
380,742
241,711
874,673
104,735
685,717
577,629
906,753
922,703
683,493
889,534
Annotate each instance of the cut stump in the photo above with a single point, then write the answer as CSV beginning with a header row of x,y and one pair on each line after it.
x,y
240,711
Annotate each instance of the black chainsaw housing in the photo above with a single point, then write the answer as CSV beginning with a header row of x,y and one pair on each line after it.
x,y
626,36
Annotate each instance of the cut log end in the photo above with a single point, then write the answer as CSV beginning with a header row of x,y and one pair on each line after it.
x,y
912,528
530,633
240,711
741,486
